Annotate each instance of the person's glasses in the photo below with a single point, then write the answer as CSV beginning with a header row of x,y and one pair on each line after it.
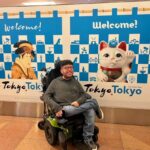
x,y
68,67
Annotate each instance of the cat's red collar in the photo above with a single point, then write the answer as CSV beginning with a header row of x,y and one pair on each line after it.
x,y
110,69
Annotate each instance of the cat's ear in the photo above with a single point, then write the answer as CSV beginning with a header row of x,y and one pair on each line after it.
x,y
122,46
103,45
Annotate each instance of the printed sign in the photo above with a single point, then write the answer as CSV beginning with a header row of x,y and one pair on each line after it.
x,y
110,49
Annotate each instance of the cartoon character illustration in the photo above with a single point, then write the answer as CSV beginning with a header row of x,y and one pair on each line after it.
x,y
115,62
22,68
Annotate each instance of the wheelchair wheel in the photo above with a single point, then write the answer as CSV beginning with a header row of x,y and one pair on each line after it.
x,y
62,140
41,124
95,136
51,133
96,130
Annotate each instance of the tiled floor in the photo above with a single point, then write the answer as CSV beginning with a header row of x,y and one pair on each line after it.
x,y
19,133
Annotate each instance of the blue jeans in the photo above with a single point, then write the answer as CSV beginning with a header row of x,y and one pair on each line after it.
x,y
89,115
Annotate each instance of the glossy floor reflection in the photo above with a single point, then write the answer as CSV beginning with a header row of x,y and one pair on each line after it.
x,y
20,133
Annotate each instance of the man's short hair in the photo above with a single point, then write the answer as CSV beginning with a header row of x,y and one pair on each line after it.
x,y
65,62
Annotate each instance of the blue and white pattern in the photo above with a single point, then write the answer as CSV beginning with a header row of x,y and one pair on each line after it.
x,y
44,33
86,32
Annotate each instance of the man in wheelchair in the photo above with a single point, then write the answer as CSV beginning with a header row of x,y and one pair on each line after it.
x,y
66,97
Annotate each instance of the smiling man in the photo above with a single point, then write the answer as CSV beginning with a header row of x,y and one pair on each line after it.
x,y
65,94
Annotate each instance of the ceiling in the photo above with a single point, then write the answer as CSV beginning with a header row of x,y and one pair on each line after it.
x,y
11,3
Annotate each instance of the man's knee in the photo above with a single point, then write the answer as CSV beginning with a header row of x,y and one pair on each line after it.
x,y
91,100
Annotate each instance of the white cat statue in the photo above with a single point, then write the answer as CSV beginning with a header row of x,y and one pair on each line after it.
x,y
115,62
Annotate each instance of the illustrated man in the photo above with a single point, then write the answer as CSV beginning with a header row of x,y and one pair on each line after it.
x,y
22,68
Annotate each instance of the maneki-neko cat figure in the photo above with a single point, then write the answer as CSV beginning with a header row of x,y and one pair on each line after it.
x,y
115,62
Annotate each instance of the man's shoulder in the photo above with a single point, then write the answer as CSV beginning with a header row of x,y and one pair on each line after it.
x,y
57,79
55,82
73,78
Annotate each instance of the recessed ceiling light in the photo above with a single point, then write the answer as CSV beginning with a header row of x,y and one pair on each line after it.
x,y
38,3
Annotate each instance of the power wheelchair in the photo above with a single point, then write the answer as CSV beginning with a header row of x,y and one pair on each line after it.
x,y
63,130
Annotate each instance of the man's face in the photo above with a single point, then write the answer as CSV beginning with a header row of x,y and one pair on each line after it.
x,y
27,60
67,71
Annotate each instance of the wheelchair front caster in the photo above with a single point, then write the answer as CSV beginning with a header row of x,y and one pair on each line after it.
x,y
41,124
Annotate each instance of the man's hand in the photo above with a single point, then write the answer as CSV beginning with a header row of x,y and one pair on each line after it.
x,y
59,113
75,103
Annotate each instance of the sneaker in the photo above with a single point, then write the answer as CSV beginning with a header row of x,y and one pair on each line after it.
x,y
102,114
90,144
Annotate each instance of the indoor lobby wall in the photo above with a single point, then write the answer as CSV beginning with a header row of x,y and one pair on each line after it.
x,y
84,33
